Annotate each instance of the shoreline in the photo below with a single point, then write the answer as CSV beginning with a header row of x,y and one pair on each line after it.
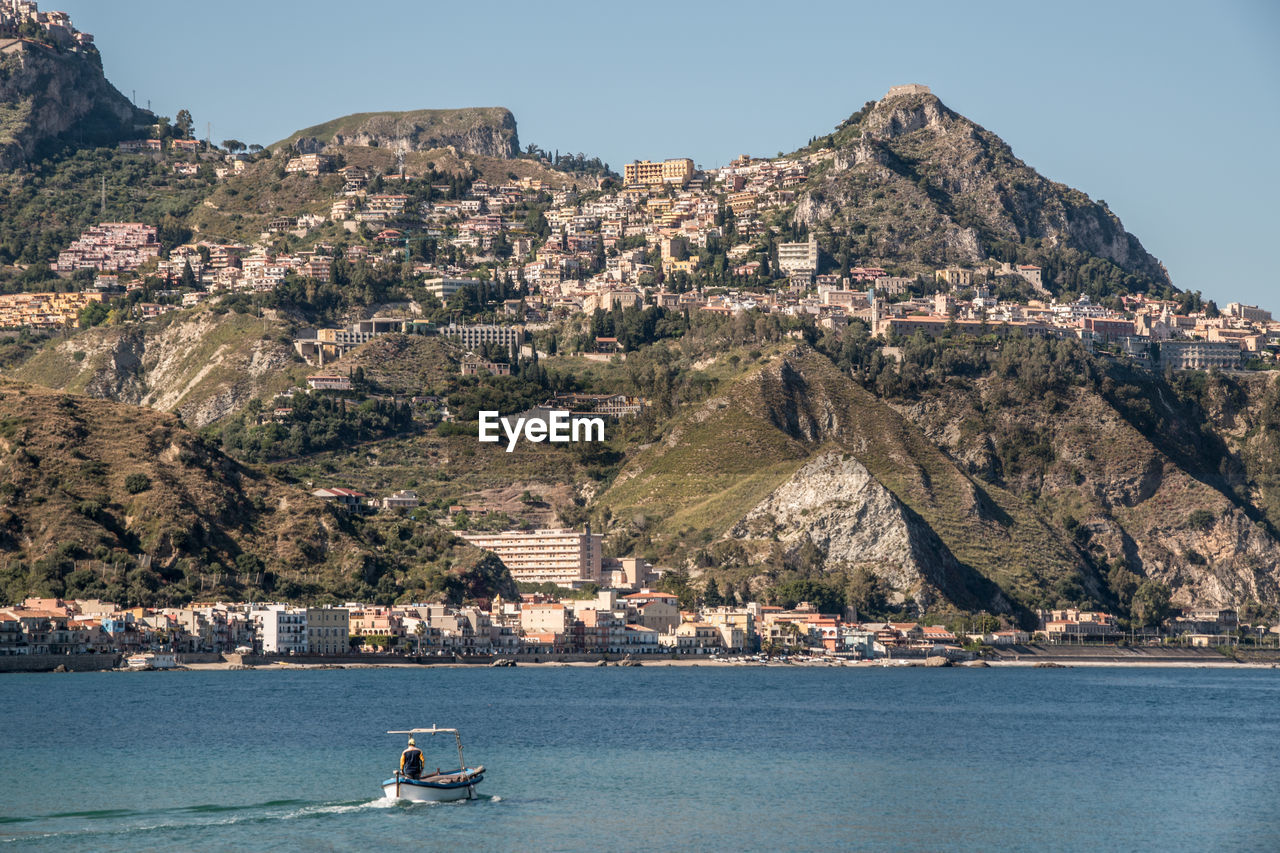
x,y
1021,656
918,663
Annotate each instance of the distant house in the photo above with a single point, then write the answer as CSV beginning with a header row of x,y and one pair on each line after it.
x,y
473,365
403,499
346,498
328,382
134,146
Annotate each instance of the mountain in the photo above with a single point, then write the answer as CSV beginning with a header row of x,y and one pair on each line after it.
x,y
906,179
50,97
824,475
1038,477
490,131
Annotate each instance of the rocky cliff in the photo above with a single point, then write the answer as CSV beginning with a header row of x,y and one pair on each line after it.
x,y
201,364
489,131
912,179
1137,474
50,97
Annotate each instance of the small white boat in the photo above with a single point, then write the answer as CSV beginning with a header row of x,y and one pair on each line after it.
x,y
438,786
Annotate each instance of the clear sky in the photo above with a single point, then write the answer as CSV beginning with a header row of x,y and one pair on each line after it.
x,y
1168,110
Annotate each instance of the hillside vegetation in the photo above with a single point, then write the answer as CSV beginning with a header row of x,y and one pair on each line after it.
x,y
100,498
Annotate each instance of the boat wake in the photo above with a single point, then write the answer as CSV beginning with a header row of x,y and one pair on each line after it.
x,y
81,825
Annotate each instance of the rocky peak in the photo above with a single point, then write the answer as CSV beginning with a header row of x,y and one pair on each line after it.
x,y
902,114
913,180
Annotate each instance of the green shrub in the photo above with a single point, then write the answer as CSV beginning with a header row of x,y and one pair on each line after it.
x,y
136,483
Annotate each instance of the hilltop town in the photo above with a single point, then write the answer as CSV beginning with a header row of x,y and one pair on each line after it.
x,y
668,235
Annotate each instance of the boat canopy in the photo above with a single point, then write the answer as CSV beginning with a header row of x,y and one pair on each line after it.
x,y
435,730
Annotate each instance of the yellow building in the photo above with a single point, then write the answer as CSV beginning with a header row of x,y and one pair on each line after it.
x,y
955,277
328,630
678,171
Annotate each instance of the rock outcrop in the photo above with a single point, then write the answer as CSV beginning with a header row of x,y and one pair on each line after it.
x,y
200,364
489,131
50,97
853,521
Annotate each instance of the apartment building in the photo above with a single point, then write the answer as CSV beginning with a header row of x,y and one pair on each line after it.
x,y
309,164
445,287
1200,355
474,337
956,278
798,257
560,556
678,171
48,310
283,630
1248,313
111,247
327,630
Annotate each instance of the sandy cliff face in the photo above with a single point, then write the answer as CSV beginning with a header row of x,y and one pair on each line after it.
x,y
853,521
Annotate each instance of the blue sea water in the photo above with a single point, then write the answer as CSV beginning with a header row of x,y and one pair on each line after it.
x,y
655,758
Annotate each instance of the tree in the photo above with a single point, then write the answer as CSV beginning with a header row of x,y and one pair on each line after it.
x,y
866,593
233,145
1150,604
712,596
93,314
821,595
136,483
183,124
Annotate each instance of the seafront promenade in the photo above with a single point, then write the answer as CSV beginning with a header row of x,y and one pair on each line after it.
x,y
1020,656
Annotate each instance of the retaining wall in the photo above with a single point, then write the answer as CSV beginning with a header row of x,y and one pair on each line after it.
x,y
48,663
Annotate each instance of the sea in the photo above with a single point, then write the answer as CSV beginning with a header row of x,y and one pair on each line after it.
x,y
647,758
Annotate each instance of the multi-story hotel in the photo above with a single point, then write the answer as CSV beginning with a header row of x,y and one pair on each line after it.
x,y
1200,355
798,257
564,557
678,171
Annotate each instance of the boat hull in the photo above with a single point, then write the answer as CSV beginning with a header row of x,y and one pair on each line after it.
x,y
422,791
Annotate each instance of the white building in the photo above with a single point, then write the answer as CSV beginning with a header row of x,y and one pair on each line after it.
x,y
798,257
282,630
564,557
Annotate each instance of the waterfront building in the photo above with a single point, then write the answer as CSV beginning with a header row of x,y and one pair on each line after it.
x,y
327,630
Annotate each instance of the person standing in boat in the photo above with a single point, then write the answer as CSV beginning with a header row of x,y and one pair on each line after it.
x,y
411,761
